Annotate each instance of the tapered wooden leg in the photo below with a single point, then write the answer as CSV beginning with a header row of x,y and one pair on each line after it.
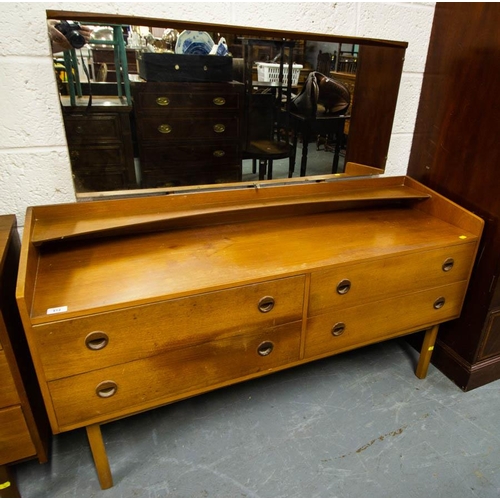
x,y
8,486
426,351
100,457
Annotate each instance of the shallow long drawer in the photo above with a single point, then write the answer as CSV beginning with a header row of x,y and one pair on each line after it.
x,y
135,386
15,439
364,324
92,342
347,286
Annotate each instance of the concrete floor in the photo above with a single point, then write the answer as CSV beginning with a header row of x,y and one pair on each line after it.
x,y
359,424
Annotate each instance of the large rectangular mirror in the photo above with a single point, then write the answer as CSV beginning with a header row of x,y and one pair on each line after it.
x,y
157,104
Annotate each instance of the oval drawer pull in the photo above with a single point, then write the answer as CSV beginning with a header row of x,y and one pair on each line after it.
x,y
266,304
448,265
343,287
439,303
106,389
219,128
162,101
219,101
219,153
95,341
165,128
265,348
338,329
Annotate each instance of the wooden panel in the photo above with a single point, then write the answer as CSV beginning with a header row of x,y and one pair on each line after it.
x,y
381,320
145,331
15,439
374,280
8,391
153,381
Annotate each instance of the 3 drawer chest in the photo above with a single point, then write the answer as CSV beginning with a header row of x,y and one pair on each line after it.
x,y
132,304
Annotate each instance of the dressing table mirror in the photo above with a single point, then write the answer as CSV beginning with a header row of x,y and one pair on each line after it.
x,y
157,129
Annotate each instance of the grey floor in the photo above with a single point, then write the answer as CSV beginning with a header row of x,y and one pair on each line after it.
x,y
359,424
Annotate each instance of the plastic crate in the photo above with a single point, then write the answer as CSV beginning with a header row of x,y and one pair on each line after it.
x,y
270,72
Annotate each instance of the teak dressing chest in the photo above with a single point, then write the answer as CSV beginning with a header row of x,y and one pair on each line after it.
x,y
132,304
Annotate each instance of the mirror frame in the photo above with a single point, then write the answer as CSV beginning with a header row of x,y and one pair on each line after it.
x,y
378,77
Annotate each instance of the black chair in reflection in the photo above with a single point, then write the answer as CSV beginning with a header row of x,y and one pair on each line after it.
x,y
267,110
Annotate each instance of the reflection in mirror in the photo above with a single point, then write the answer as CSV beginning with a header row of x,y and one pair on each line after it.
x,y
159,107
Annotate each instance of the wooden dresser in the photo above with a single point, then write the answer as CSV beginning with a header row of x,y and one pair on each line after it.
x,y
100,145
133,304
188,133
24,427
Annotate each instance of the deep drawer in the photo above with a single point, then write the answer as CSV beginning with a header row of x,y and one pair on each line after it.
x,y
15,439
355,284
8,391
92,342
135,386
364,324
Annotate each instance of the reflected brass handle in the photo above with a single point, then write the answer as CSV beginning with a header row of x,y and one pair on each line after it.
x,y
343,287
74,154
219,101
439,303
266,304
95,341
265,348
219,127
165,128
79,129
448,265
338,329
106,389
219,153
163,101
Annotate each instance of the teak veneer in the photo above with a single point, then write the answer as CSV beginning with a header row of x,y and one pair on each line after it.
x,y
132,304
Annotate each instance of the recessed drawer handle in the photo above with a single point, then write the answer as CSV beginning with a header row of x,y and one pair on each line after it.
x,y
95,341
266,304
163,101
219,153
219,101
106,389
448,265
338,329
439,303
343,287
219,128
265,348
165,128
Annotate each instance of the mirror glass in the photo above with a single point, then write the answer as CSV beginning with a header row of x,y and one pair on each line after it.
x,y
156,104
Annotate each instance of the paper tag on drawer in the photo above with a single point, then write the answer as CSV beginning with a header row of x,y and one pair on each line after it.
x,y
55,310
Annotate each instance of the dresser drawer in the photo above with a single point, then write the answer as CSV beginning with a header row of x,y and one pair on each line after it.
x,y
364,324
92,128
76,346
15,439
123,389
189,99
160,128
8,391
346,286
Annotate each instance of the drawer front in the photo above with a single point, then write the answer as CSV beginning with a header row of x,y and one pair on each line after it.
x,y
365,324
134,386
15,439
92,128
8,391
165,128
355,284
168,100
97,156
134,333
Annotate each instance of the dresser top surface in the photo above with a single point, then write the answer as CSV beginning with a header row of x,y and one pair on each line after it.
x,y
105,273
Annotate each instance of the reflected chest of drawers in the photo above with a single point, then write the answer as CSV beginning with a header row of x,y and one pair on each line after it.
x,y
188,133
133,304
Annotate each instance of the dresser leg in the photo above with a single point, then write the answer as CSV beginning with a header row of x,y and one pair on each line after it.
x,y
100,457
8,486
426,351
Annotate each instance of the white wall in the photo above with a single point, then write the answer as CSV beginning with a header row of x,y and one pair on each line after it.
x,y
34,162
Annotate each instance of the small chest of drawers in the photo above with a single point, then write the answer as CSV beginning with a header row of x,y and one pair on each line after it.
x,y
173,296
188,133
